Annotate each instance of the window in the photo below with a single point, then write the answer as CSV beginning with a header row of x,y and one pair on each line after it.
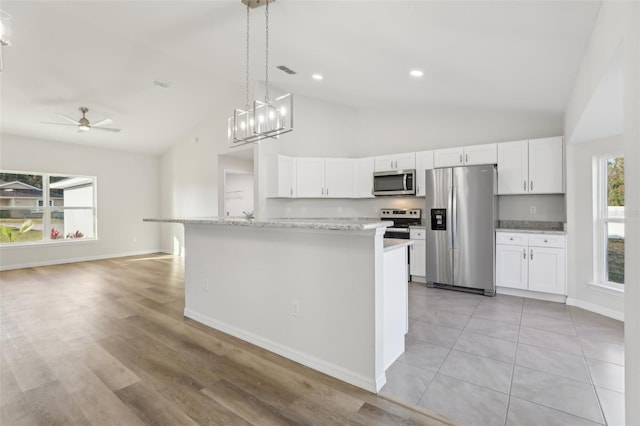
x,y
609,221
42,207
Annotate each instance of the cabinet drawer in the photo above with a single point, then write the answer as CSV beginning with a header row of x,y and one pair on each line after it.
x,y
416,234
546,240
511,238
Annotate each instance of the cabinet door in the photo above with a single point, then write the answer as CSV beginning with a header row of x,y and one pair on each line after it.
x,y
511,266
385,163
547,269
406,161
418,259
424,162
363,177
310,177
281,176
450,157
481,154
546,166
338,177
513,167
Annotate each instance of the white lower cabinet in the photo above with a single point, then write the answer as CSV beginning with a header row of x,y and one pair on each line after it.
x,y
418,256
535,262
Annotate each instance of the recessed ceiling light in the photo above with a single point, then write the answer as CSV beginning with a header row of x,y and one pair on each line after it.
x,y
317,76
416,73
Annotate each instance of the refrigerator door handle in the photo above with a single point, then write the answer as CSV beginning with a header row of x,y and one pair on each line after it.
x,y
454,221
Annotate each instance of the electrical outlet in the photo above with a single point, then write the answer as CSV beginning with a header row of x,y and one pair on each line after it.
x,y
295,308
532,209
205,284
339,210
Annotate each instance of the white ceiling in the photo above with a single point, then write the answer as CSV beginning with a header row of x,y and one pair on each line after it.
x,y
513,55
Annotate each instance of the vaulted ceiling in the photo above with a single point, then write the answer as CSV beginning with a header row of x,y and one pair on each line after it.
x,y
105,55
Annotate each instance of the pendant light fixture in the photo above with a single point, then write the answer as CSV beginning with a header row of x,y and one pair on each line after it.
x,y
265,119
5,35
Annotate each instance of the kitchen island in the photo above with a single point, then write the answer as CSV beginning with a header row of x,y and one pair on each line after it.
x,y
325,293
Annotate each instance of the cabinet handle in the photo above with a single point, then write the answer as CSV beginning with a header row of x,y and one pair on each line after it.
x,y
524,253
531,254
292,192
531,186
460,158
327,194
524,185
466,158
546,241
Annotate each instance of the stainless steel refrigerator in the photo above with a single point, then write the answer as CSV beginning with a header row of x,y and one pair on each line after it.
x,y
461,215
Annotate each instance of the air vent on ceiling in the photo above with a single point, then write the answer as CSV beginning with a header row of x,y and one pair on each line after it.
x,y
286,69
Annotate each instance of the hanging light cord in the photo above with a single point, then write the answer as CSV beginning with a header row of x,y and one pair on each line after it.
x,y
247,57
266,62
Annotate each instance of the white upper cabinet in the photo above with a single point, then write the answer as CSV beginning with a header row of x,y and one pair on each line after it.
x,y
531,167
546,161
324,178
363,177
449,157
385,163
481,154
466,156
310,177
338,177
281,176
513,167
424,162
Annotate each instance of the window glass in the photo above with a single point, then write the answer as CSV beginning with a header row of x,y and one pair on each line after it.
x,y
42,207
21,212
610,222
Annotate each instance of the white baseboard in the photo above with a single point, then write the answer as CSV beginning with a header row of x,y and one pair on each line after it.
x,y
351,377
596,308
75,260
549,297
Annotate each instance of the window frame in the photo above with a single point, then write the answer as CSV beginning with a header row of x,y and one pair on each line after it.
x,y
48,207
601,220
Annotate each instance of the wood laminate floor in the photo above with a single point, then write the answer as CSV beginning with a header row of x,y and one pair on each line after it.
x,y
106,343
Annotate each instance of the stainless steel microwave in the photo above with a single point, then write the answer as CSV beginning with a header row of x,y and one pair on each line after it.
x,y
394,182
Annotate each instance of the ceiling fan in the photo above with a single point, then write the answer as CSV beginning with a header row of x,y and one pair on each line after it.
x,y
83,124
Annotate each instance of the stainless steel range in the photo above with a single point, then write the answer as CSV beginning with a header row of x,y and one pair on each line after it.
x,y
402,219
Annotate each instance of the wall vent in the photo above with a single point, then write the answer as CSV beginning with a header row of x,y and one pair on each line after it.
x,y
286,69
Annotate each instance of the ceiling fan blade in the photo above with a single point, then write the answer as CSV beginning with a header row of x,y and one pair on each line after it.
x,y
102,122
59,124
76,122
107,129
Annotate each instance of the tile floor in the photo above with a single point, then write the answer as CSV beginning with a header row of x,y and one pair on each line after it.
x,y
506,360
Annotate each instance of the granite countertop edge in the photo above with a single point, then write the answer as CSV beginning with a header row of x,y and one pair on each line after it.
x,y
532,231
328,224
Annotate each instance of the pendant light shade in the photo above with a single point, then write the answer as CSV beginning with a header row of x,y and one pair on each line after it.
x,y
5,34
263,119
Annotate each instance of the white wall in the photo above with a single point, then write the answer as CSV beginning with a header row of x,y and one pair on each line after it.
x,y
580,228
127,189
618,24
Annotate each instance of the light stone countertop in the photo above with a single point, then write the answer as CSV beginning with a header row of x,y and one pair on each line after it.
x,y
344,224
396,243
532,231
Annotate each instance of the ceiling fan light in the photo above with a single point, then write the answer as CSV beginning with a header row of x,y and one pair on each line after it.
x,y
83,128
